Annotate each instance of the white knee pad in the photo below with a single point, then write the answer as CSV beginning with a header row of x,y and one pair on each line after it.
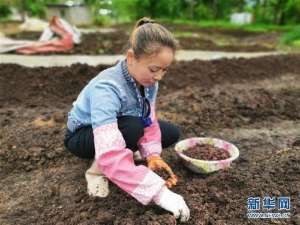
x,y
137,157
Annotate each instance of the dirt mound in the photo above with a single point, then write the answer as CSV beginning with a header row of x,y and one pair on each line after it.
x,y
253,103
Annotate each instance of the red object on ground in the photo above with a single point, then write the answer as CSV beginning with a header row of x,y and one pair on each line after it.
x,y
64,43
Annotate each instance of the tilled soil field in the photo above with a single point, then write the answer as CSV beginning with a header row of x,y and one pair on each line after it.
x,y
189,37
253,103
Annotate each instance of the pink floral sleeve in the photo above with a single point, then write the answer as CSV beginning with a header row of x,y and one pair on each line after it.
x,y
116,162
150,143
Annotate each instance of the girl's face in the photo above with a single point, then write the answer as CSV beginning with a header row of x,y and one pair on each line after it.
x,y
146,70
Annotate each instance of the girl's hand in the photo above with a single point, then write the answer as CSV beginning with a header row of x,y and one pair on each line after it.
x,y
156,163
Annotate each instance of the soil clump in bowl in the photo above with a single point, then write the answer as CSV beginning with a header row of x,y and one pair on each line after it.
x,y
207,152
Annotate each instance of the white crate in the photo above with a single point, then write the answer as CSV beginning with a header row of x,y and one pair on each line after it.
x,y
75,14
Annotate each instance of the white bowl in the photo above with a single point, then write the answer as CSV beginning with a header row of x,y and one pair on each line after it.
x,y
206,166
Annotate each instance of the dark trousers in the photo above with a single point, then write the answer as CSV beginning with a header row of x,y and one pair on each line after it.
x,y
81,142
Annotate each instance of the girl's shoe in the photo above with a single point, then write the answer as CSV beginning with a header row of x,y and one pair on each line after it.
x,y
97,183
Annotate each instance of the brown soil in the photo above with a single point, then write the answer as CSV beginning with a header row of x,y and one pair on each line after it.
x,y
116,42
252,103
207,152
209,45
163,174
91,44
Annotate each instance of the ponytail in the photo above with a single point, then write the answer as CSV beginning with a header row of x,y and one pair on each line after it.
x,y
148,37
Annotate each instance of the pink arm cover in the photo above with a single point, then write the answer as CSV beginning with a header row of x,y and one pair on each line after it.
x,y
116,162
150,143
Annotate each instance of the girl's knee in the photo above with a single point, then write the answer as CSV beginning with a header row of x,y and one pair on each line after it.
x,y
175,133
170,133
132,130
80,143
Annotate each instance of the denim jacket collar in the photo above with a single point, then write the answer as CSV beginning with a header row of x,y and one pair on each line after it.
x,y
131,82
126,74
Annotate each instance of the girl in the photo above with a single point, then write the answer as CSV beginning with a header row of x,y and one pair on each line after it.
x,y
114,115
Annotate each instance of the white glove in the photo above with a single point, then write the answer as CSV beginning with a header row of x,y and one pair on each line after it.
x,y
174,203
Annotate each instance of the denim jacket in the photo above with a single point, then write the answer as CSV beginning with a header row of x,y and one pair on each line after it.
x,y
112,93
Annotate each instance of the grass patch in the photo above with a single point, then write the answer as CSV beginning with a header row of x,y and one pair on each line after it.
x,y
184,34
296,43
255,27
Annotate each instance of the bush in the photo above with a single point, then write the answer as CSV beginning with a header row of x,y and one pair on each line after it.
x,y
292,37
102,20
36,9
203,12
4,10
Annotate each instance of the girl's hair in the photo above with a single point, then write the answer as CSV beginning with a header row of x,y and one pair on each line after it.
x,y
148,37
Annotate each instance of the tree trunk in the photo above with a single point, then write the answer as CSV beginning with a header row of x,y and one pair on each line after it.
x,y
278,11
282,19
23,13
215,8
